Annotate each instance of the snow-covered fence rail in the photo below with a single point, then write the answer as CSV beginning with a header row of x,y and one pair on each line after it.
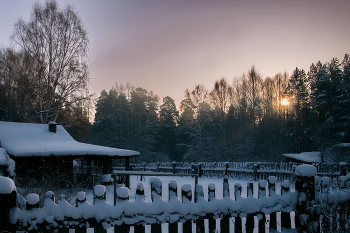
x,y
239,170
318,204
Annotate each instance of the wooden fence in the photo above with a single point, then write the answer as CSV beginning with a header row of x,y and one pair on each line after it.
x,y
239,170
317,205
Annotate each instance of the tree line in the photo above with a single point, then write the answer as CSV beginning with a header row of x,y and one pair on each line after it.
x,y
249,119
44,77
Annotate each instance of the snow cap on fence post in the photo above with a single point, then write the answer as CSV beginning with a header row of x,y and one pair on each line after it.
x,y
272,180
238,191
262,189
32,201
199,193
156,187
285,186
123,193
186,192
140,192
50,195
81,198
99,193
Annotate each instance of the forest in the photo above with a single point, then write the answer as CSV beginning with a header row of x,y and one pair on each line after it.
x,y
44,77
250,118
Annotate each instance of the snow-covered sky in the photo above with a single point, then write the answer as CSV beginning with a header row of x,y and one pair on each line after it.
x,y
167,46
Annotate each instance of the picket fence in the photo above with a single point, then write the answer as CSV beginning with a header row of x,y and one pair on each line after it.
x,y
316,205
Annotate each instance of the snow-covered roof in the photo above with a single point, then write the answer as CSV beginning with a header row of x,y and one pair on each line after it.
x,y
27,139
308,157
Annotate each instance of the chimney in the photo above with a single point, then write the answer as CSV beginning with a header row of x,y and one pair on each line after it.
x,y
52,126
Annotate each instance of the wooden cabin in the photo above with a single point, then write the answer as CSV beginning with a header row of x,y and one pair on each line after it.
x,y
47,150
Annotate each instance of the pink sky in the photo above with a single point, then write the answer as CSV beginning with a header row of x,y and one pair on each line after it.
x,y
166,46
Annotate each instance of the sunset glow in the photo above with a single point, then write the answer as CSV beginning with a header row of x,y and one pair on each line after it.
x,y
285,102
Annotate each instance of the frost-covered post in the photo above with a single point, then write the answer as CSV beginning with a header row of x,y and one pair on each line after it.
x,y
32,201
305,186
186,193
156,195
250,217
7,201
238,219
225,221
122,194
272,180
139,197
80,201
287,200
99,193
199,198
173,227
261,195
211,197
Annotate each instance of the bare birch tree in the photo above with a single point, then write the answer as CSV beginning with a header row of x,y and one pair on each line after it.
x,y
57,43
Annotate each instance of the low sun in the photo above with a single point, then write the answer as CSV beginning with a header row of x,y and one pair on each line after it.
x,y
285,102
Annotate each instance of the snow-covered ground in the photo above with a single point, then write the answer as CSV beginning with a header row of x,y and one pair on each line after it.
x,y
134,180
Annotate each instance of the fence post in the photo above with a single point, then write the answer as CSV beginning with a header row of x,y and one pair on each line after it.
x,y
211,197
81,200
186,193
272,180
225,221
262,194
122,194
7,201
250,217
305,186
285,216
199,197
139,197
173,227
156,192
99,194
238,219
